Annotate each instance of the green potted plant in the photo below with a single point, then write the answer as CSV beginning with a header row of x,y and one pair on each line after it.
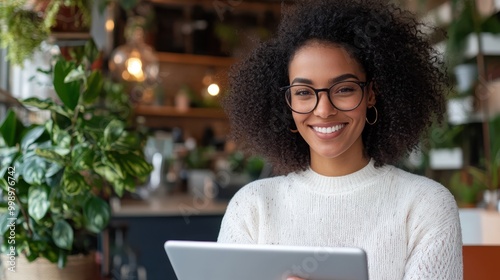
x,y
472,181
470,74
56,176
199,164
26,24
488,173
465,188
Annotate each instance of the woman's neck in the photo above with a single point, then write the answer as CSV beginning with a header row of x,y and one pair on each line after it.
x,y
339,166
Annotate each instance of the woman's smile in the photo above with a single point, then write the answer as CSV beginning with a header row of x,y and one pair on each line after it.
x,y
328,131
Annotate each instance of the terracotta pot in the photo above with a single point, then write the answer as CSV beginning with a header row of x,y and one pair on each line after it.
x,y
78,267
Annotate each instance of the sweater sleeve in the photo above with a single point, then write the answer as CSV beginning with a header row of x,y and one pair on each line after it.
x,y
434,237
239,224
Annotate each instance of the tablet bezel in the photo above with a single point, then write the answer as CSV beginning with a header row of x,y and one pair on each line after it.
x,y
193,260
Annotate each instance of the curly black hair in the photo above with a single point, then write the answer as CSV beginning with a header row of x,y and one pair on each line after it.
x,y
409,78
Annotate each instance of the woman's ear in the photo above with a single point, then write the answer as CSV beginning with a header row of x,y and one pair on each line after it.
x,y
371,95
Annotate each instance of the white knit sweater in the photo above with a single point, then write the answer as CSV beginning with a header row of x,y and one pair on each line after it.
x,y
407,224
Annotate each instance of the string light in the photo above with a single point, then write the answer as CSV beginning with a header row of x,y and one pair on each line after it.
x,y
213,89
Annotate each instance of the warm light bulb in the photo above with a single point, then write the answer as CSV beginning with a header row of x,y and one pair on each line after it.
x,y
134,61
213,89
134,67
110,25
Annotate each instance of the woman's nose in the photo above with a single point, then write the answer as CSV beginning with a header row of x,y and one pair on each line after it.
x,y
324,107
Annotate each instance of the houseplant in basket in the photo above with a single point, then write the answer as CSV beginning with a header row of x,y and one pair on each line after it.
x,y
56,176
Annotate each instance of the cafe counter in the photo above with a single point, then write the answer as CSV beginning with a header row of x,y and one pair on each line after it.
x,y
145,225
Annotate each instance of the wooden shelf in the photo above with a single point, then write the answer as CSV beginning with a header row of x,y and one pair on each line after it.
x,y
193,122
71,35
193,59
168,111
70,39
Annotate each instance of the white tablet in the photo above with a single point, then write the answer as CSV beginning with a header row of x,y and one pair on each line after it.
x,y
196,260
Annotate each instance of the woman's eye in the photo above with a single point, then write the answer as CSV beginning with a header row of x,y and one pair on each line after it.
x,y
344,90
302,92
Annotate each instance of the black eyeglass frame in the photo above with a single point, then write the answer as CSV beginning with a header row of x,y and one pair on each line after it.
x,y
362,85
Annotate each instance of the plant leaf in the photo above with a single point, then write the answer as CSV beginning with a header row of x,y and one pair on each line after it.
x,y
77,74
113,131
97,213
94,87
11,129
73,183
33,170
81,157
53,169
91,51
51,154
4,185
106,172
479,175
42,104
62,259
63,235
69,93
4,222
7,156
127,142
31,136
61,137
124,184
46,104
135,165
38,202
54,180
111,160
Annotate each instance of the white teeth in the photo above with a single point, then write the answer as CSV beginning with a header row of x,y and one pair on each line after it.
x,y
327,130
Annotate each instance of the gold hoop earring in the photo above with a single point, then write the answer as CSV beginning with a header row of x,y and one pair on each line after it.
x,y
293,130
376,117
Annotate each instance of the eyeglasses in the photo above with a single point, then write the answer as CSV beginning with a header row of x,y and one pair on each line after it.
x,y
344,96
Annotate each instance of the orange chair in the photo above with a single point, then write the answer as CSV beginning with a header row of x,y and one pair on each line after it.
x,y
481,262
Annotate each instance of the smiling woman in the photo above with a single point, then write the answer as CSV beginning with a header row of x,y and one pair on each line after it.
x,y
345,89
331,127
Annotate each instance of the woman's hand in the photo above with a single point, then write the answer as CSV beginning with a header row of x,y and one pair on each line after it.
x,y
295,278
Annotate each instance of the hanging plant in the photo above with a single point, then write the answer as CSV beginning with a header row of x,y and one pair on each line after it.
x,y
26,24
22,31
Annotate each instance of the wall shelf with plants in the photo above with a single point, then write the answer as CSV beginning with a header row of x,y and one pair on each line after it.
x,y
473,65
193,122
196,43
